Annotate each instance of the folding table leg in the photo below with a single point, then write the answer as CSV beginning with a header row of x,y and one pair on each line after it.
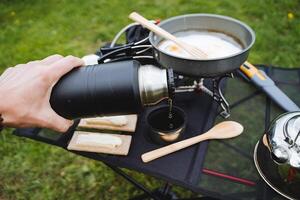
x,y
133,182
166,189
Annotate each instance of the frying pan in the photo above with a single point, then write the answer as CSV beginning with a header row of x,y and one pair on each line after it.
x,y
242,33
238,30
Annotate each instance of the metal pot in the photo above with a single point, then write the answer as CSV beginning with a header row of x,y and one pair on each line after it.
x,y
277,155
208,67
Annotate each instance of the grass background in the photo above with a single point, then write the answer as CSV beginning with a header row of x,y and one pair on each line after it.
x,y
34,29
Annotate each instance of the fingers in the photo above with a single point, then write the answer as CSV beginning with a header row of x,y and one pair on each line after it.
x,y
58,123
64,65
46,61
51,59
7,72
31,63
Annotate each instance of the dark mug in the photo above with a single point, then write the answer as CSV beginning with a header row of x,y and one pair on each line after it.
x,y
159,124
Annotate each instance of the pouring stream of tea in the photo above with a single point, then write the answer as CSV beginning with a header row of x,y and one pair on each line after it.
x,y
170,114
223,130
192,50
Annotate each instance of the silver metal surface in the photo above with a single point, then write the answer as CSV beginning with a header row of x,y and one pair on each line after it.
x,y
153,84
283,139
170,136
260,171
209,22
163,136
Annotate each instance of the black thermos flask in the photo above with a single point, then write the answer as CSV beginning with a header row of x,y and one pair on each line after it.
x,y
110,89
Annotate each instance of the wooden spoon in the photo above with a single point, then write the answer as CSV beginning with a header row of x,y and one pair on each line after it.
x,y
223,130
192,50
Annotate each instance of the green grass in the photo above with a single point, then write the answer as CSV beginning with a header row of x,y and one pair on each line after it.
x,y
33,29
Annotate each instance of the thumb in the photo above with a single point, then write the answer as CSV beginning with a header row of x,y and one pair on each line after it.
x,y
58,123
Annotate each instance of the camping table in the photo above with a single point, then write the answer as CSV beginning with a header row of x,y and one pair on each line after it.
x,y
222,169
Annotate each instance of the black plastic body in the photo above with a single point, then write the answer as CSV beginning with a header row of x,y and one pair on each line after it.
x,y
103,89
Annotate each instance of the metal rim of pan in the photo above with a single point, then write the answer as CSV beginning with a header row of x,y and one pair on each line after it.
x,y
152,40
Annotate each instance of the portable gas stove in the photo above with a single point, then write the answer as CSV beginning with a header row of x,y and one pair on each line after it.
x,y
191,74
142,51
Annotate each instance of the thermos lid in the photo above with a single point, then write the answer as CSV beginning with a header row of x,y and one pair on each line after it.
x,y
155,84
283,139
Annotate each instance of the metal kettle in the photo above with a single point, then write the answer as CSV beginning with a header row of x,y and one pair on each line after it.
x,y
283,139
277,155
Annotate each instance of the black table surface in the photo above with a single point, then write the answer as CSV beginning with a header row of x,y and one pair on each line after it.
x,y
229,170
223,168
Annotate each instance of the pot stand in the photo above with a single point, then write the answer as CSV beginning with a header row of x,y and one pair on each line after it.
x,y
216,92
142,52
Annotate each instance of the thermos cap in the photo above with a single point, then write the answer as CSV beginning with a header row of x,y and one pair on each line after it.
x,y
154,84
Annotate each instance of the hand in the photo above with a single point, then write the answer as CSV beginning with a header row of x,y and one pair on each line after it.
x,y
25,92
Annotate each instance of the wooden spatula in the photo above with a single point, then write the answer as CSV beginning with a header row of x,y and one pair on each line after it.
x,y
192,50
223,130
